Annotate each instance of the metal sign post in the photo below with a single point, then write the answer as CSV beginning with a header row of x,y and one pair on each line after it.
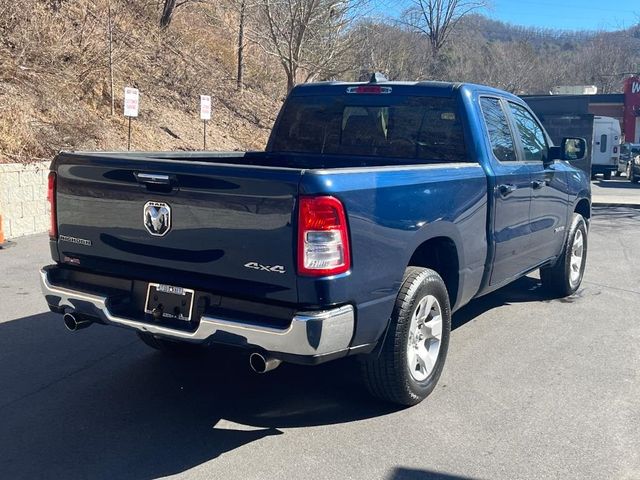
x,y
205,114
131,107
129,136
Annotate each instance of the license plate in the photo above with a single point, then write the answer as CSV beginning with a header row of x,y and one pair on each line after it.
x,y
167,301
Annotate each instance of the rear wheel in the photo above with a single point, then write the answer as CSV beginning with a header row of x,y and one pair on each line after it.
x,y
607,175
409,364
564,278
630,175
178,349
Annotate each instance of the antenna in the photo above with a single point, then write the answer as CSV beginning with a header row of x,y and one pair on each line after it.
x,y
377,77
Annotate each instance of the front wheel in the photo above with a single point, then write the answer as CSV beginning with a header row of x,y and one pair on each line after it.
x,y
564,278
412,356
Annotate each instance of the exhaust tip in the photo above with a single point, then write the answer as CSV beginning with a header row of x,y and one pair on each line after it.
x,y
74,323
70,322
263,364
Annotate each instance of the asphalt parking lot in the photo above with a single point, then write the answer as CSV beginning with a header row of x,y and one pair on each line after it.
x,y
533,388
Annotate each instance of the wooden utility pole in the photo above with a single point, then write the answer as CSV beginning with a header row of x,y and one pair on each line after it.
x,y
110,41
243,9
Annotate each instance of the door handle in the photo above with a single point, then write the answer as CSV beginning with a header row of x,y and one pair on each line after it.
x,y
506,189
537,184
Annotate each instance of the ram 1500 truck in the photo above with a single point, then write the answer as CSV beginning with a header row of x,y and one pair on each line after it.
x,y
376,211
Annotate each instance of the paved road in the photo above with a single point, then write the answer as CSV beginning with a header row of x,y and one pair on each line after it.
x,y
618,190
533,388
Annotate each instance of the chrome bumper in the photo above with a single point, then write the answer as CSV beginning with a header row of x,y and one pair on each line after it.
x,y
316,333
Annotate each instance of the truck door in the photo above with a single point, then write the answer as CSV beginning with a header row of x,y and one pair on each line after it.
x,y
550,197
511,195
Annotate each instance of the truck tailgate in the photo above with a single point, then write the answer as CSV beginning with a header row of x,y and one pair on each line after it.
x,y
225,227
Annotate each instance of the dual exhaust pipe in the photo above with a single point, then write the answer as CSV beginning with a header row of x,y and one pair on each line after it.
x,y
259,363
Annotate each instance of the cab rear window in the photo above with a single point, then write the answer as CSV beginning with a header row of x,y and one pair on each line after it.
x,y
409,127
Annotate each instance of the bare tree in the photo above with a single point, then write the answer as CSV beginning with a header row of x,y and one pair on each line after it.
x,y
308,37
397,52
169,8
436,19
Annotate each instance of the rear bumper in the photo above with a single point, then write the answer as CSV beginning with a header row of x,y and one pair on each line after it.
x,y
601,168
313,334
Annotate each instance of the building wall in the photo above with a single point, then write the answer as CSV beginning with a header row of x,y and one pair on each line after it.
x,y
23,198
613,110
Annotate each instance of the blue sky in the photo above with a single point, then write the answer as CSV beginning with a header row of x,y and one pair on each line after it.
x,y
567,14
558,14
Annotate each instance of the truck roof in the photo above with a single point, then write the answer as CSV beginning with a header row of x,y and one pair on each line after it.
x,y
431,88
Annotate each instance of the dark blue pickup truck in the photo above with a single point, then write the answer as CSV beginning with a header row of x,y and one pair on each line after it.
x,y
376,211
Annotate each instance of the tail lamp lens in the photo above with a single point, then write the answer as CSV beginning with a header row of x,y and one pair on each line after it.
x,y
51,198
323,237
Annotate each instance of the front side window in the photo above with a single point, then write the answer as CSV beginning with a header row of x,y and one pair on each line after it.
x,y
533,139
498,129
428,129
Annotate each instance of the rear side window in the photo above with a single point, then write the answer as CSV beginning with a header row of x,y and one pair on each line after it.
x,y
410,127
531,134
603,143
498,129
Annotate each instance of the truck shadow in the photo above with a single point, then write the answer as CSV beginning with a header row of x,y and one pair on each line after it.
x,y
523,290
99,404
620,182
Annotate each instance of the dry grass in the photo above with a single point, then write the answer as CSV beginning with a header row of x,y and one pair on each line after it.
x,y
54,89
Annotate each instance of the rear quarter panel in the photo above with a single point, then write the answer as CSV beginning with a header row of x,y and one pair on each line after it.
x,y
391,211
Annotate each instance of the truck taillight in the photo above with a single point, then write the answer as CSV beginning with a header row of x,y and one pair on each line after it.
x,y
323,237
51,198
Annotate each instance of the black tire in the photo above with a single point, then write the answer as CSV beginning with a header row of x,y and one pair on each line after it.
x,y
632,176
176,349
557,278
607,175
387,373
618,173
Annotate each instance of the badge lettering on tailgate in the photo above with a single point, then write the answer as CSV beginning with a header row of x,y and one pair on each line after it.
x,y
265,268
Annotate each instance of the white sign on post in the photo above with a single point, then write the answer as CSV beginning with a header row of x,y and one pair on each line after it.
x,y
131,102
205,107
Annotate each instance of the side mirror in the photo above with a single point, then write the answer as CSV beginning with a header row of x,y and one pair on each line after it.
x,y
570,149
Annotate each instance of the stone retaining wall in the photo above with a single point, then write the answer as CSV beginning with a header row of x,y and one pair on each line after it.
x,y
23,198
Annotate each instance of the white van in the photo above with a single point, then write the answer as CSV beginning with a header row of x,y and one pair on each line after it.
x,y
605,150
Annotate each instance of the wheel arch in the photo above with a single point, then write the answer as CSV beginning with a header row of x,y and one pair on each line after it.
x,y
442,254
583,207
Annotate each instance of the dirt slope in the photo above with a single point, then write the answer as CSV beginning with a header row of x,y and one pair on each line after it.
x,y
54,79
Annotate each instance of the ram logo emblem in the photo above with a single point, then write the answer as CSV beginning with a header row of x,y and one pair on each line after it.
x,y
157,218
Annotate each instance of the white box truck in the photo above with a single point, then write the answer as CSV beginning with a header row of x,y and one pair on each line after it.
x,y
605,151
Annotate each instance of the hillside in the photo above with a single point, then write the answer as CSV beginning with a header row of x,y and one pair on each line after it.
x,y
55,82
54,79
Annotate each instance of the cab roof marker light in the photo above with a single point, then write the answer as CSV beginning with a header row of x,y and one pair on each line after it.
x,y
371,89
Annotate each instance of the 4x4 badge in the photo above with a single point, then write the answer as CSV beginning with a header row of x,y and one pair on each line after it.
x,y
265,268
